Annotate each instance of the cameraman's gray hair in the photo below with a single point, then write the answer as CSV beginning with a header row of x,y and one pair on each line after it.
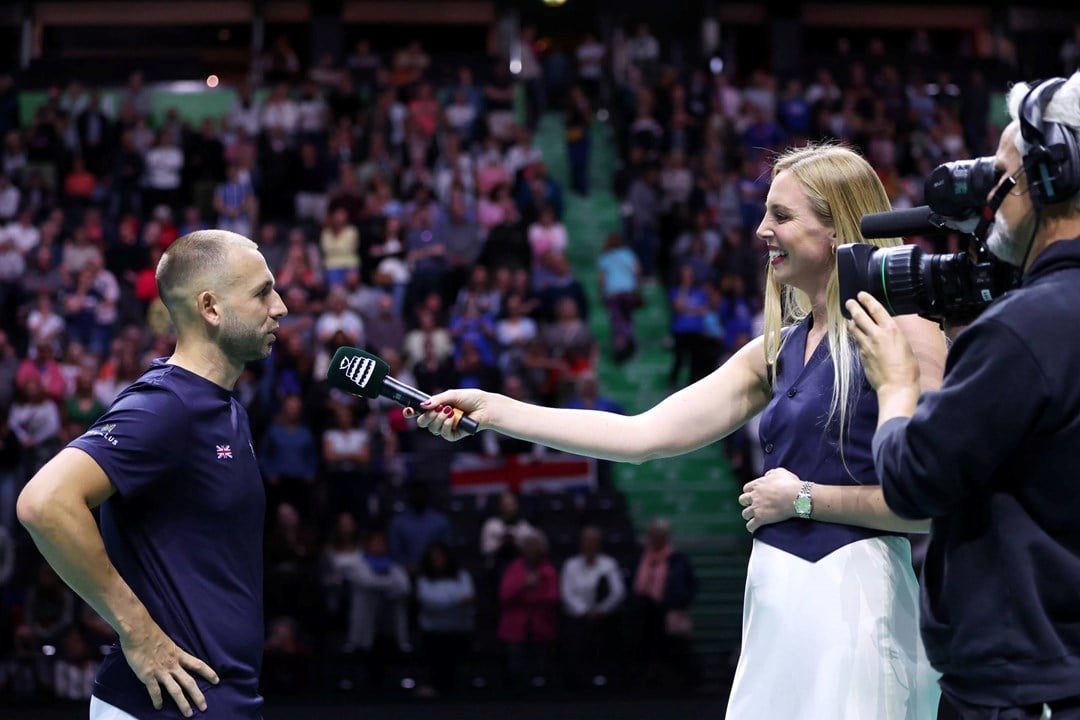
x,y
1063,108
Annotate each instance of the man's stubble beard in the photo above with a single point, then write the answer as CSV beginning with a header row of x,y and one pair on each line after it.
x,y
241,343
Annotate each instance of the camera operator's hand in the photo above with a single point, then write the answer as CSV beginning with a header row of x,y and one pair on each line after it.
x,y
888,360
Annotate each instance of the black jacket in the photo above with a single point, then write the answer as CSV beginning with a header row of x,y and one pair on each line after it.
x,y
994,458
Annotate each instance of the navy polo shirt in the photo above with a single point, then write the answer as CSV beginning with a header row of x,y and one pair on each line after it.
x,y
185,531
796,434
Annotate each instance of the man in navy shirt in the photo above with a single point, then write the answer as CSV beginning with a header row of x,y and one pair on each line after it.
x,y
992,456
176,567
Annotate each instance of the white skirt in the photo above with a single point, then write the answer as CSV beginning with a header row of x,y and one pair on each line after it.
x,y
833,640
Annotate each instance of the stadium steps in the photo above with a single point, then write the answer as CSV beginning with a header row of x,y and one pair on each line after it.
x,y
698,491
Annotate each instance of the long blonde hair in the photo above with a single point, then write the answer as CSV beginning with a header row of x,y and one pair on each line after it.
x,y
841,187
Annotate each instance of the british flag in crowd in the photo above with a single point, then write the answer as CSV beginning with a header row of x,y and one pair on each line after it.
x,y
224,452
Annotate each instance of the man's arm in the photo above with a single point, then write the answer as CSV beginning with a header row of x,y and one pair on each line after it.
x,y
55,507
949,448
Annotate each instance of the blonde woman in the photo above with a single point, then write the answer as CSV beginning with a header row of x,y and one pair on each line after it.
x,y
829,624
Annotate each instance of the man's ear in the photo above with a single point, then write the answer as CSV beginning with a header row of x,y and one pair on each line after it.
x,y
206,304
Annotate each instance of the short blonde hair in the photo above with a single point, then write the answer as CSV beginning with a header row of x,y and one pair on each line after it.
x,y
197,257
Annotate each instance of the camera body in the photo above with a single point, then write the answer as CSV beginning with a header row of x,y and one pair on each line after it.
x,y
946,287
949,288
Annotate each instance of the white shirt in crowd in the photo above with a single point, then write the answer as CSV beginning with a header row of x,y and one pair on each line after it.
x,y
312,115
25,237
283,114
348,441
9,201
590,57
520,156
495,529
579,582
163,165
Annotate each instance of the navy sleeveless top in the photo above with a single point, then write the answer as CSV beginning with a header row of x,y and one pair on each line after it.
x,y
797,434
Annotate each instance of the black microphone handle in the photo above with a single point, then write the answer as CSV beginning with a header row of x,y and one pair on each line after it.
x,y
901,223
403,394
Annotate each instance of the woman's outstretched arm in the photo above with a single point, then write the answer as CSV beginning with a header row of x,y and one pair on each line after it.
x,y
684,421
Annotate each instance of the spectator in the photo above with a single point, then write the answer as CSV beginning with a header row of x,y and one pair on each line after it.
x,y
338,317
644,222
288,457
496,208
499,102
416,527
446,599
428,330
475,327
9,368
76,667
44,325
312,113
50,608
689,305
80,185
342,562
547,240
286,657
164,161
41,366
346,452
644,51
380,589
363,64
461,114
578,116
35,421
528,598
127,167
340,243
464,240
620,273
591,56
502,534
12,268
592,591
513,333
291,565
10,196
663,588
234,202
81,407
315,176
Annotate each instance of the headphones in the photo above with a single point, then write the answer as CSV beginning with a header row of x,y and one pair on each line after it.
x,y
1052,161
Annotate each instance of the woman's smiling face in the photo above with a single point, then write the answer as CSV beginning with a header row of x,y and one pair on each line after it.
x,y
800,244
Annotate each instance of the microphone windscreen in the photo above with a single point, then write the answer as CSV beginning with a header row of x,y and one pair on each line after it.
x,y
357,372
898,223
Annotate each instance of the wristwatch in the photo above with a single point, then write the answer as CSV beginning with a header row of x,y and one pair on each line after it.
x,y
804,503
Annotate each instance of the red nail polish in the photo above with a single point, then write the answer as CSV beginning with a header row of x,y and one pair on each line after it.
x,y
448,410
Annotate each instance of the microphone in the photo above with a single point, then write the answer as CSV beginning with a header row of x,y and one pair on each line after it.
x,y
360,373
919,220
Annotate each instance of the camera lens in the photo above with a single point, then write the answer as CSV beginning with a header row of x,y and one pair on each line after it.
x,y
894,276
958,189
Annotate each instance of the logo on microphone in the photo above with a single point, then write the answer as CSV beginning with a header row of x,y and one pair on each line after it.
x,y
358,369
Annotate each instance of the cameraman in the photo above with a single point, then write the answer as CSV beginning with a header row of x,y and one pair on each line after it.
x,y
993,456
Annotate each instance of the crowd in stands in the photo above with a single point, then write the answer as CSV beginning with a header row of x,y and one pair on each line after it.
x,y
405,209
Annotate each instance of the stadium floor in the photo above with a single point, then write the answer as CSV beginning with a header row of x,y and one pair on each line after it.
x,y
627,705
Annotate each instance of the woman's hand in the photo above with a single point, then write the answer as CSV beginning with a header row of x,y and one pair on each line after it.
x,y
770,498
440,419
